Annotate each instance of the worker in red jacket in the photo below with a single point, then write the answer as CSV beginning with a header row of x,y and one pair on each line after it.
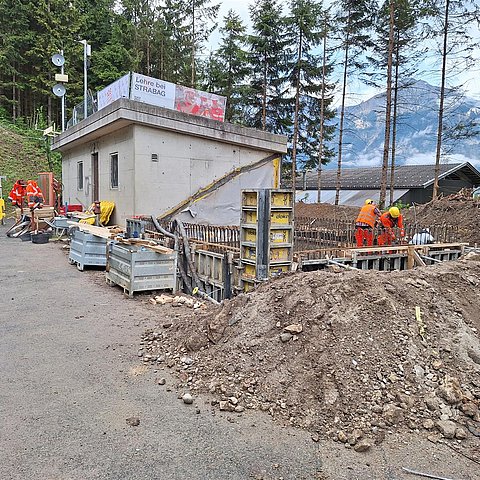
x,y
34,195
365,223
17,193
389,220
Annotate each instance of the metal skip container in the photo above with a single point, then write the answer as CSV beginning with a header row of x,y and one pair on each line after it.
x,y
87,249
136,268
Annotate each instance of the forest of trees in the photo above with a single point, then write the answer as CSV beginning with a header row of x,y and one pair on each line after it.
x,y
279,73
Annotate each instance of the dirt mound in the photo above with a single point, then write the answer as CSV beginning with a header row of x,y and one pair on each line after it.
x,y
326,211
342,354
459,209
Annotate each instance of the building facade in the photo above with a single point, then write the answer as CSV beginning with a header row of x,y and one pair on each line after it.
x,y
150,160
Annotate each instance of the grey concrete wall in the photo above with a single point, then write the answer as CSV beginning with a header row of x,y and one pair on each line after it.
x,y
120,142
185,165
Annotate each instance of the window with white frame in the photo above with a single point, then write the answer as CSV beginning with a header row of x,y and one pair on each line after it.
x,y
114,170
79,175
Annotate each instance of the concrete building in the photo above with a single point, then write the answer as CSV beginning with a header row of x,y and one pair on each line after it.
x,y
151,160
413,183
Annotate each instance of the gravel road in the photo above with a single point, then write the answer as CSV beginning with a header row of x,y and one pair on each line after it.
x,y
70,378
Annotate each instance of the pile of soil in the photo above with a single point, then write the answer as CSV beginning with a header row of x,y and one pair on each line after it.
x,y
460,209
343,354
326,211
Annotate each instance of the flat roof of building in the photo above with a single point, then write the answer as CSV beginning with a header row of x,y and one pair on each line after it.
x,y
124,112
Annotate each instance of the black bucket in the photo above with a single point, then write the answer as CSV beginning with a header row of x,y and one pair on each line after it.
x,y
26,237
40,237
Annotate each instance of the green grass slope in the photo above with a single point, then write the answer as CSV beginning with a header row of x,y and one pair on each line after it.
x,y
23,155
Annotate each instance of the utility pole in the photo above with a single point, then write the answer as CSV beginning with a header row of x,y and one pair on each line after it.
x,y
62,72
87,51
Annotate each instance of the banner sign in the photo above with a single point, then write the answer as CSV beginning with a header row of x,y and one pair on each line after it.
x,y
164,94
152,91
200,103
118,89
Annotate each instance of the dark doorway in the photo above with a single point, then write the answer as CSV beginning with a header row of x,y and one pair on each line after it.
x,y
95,177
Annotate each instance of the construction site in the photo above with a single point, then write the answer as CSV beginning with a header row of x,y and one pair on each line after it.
x,y
259,303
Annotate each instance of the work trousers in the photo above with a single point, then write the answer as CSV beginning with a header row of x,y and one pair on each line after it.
x,y
385,238
364,234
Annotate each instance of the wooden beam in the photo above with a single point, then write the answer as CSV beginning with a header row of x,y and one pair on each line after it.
x,y
94,230
418,259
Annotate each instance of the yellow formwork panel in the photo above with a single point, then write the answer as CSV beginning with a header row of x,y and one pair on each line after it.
x,y
250,235
282,199
276,217
280,254
279,269
281,236
281,218
249,216
249,271
250,253
250,199
276,254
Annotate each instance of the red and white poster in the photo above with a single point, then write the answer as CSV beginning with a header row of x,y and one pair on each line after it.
x,y
201,104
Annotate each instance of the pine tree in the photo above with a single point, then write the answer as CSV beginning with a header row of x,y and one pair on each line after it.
x,y
228,69
355,18
304,34
173,43
14,40
267,62
326,132
201,16
454,17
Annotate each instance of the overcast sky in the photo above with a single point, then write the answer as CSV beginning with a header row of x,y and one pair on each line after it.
x,y
471,78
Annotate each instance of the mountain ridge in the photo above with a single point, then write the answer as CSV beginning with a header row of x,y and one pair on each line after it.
x,y
364,128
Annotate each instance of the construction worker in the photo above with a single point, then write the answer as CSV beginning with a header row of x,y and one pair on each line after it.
x,y
34,195
422,238
365,223
388,221
17,193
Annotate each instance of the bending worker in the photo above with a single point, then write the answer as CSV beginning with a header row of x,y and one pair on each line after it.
x,y
389,220
365,223
422,238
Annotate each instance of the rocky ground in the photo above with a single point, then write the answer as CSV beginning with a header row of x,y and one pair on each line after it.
x,y
351,356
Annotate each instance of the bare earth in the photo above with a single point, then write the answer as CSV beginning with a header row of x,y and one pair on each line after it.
x,y
71,376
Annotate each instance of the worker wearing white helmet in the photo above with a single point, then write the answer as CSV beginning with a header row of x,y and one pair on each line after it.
x,y
422,238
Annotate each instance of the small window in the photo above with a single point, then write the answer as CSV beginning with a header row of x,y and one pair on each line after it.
x,y
80,176
114,170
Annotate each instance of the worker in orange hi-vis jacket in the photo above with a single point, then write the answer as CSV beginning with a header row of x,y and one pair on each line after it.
x,y
365,223
17,194
389,220
34,195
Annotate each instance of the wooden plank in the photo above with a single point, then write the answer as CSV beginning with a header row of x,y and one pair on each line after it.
x,y
146,243
411,257
160,249
418,260
94,230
